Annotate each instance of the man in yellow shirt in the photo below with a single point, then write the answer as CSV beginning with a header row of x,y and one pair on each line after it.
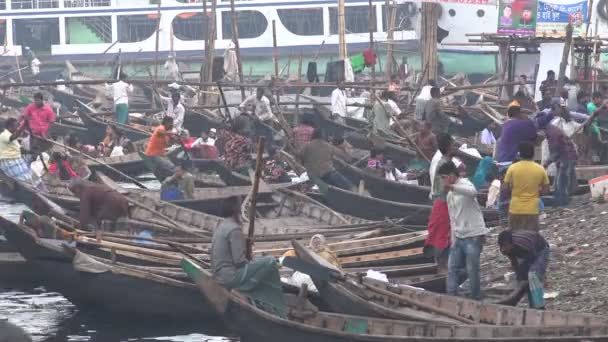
x,y
527,181
12,162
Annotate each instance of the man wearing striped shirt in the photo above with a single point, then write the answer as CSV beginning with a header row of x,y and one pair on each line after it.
x,y
528,252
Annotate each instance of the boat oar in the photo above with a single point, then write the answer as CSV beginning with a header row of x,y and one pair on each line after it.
x,y
254,193
133,180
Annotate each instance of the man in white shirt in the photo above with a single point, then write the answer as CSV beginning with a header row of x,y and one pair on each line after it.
x,y
120,94
175,109
468,229
35,67
338,102
172,68
261,105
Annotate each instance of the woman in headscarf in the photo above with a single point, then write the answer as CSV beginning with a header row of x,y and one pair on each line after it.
x,y
318,245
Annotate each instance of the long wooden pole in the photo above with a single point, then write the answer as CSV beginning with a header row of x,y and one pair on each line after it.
x,y
564,63
372,26
275,49
157,41
210,54
237,48
254,194
342,29
298,90
392,12
205,46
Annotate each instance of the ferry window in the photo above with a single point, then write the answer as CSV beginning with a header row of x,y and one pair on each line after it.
x,y
250,24
136,28
38,34
30,4
2,31
404,19
302,21
2,4
356,19
86,3
190,26
88,30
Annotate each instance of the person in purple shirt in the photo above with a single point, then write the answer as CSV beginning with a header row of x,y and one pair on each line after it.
x,y
516,130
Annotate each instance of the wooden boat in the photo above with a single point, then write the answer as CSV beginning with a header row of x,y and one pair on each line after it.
x,y
370,208
201,179
382,188
364,296
97,128
588,172
304,322
85,280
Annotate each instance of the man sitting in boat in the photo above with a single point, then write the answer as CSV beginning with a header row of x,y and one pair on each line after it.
x,y
60,168
318,245
12,163
156,148
204,147
375,163
528,252
179,186
317,157
101,207
259,278
114,143
260,105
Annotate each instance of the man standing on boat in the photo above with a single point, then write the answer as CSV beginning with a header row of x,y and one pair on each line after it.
x,y
37,118
529,255
12,162
260,105
175,109
157,147
338,102
120,94
259,279
180,186
101,207
468,229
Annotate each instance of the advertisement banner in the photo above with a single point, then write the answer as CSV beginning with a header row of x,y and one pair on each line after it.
x,y
553,17
517,17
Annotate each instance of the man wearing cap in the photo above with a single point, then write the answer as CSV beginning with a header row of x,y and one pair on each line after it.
x,y
516,130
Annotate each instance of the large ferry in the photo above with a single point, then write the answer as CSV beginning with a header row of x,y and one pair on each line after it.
x,y
96,29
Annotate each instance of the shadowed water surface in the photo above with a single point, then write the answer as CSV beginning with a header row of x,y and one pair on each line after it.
x,y
49,317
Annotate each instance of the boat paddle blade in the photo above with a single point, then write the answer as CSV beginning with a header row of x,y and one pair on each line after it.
x,y
314,271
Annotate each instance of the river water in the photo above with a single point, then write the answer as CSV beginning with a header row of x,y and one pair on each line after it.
x,y
49,317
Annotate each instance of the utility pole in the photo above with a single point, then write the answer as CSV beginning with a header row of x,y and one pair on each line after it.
x,y
237,48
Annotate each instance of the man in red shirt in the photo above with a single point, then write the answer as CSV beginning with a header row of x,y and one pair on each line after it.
x,y
302,134
40,116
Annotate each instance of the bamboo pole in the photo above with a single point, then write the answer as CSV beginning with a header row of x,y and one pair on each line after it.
x,y
254,193
372,26
299,90
342,30
156,47
391,15
206,47
18,67
275,51
237,48
564,63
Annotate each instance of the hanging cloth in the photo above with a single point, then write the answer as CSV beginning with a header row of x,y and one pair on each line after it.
x,y
358,63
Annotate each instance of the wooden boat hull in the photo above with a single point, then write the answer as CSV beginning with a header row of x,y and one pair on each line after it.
x,y
113,290
376,209
97,129
382,188
254,324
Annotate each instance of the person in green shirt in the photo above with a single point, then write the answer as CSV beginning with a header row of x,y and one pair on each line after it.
x,y
594,131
